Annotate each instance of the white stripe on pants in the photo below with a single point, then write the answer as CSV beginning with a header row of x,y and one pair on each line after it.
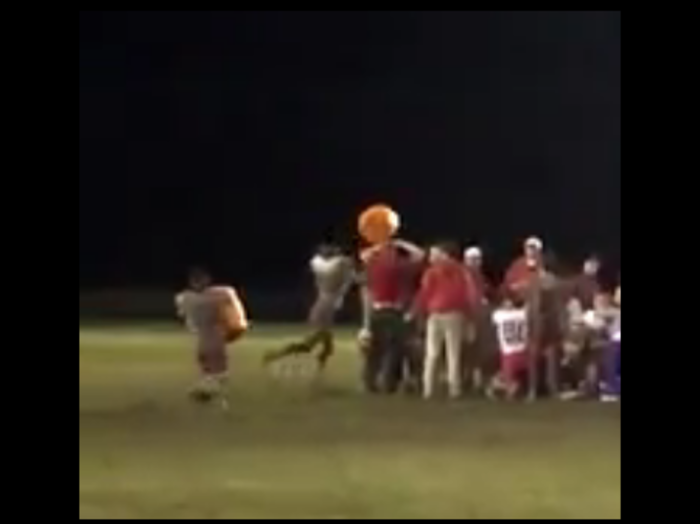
x,y
444,330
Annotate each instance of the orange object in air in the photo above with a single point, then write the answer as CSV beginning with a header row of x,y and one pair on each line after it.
x,y
233,314
378,223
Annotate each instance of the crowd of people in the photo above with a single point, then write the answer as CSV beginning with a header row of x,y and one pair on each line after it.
x,y
432,321
431,318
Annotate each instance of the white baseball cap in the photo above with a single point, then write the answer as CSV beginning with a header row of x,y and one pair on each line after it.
x,y
534,242
473,252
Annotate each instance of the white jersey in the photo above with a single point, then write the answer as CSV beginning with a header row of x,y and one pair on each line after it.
x,y
511,328
333,276
616,329
184,303
575,315
594,320
201,311
608,322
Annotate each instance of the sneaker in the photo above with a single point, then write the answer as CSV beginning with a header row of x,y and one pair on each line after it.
x,y
569,396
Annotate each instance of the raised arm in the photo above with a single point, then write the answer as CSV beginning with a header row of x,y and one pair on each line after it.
x,y
180,304
416,253
367,253
366,306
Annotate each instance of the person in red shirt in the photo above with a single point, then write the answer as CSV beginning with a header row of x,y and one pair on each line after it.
x,y
446,297
523,269
388,273
474,261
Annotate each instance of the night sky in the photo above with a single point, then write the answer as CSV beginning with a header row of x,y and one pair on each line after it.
x,y
242,140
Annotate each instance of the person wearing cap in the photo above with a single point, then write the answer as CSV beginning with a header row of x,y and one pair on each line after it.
x,y
481,347
523,268
333,273
474,261
543,295
587,284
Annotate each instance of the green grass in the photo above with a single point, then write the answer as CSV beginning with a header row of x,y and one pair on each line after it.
x,y
286,451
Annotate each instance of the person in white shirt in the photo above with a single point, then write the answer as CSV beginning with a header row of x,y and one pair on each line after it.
x,y
512,331
605,323
333,273
601,319
216,317
612,368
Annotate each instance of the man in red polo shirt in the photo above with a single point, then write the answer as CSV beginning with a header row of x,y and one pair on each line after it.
x,y
389,270
447,297
523,269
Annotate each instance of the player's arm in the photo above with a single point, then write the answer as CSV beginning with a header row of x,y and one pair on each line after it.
x,y
365,306
349,277
318,265
180,305
368,253
349,272
416,254
424,294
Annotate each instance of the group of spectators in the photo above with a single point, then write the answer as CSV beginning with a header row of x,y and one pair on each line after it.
x,y
433,318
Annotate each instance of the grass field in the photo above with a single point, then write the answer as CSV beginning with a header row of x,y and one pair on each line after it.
x,y
287,451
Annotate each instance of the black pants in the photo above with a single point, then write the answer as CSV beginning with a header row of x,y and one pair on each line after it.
x,y
386,355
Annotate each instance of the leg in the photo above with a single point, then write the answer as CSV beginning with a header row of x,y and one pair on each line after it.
x,y
593,355
512,366
470,360
454,335
370,371
612,369
553,365
321,319
553,359
415,364
374,352
433,349
533,371
489,355
213,367
327,349
303,347
618,367
293,349
395,352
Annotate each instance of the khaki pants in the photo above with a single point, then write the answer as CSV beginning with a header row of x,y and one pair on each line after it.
x,y
444,331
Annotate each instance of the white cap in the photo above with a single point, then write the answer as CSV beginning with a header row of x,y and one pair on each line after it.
x,y
534,242
473,252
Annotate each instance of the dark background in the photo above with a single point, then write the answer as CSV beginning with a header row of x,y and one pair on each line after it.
x,y
240,140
